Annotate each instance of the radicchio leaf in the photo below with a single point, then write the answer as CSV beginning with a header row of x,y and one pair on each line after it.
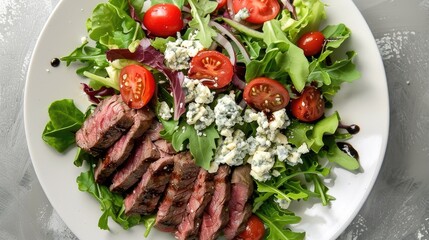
x,y
148,55
95,95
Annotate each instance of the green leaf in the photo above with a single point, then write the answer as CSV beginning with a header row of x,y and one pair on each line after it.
x,y
65,120
328,125
160,44
149,222
200,10
112,26
93,59
201,147
334,154
178,3
277,221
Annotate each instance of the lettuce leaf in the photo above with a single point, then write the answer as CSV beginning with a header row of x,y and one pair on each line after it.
x,y
200,11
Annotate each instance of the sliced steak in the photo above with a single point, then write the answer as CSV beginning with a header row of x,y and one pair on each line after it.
x,y
201,196
216,214
240,208
145,196
173,205
164,146
111,118
154,131
120,151
142,156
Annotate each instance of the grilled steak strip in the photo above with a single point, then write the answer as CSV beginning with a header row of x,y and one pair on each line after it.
x,y
240,208
173,206
201,196
105,126
216,214
145,196
154,131
117,154
136,165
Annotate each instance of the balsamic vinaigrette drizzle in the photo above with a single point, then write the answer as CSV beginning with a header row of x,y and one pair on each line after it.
x,y
55,62
347,147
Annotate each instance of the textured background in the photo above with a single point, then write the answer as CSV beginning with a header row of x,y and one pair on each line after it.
x,y
397,207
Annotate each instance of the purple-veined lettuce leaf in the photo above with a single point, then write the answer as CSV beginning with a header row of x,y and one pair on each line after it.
x,y
151,57
95,95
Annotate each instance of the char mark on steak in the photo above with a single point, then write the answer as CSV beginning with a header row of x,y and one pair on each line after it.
x,y
240,208
120,151
200,197
143,154
216,214
173,205
111,118
145,196
165,147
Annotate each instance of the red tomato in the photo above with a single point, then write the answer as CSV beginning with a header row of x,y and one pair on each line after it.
x,y
137,86
163,20
213,68
309,106
260,11
220,4
312,43
255,229
266,94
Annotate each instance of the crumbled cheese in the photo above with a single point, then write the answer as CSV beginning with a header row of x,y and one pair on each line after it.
x,y
242,14
196,91
178,53
295,155
227,112
261,163
275,173
283,203
199,115
164,111
232,150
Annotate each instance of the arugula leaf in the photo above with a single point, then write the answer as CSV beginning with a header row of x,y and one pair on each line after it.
x,y
200,11
276,220
65,120
201,147
92,58
111,203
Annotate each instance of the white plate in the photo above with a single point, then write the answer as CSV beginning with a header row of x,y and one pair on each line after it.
x,y
364,102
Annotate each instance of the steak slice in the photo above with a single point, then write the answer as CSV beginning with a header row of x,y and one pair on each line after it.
x,y
136,165
105,126
120,151
173,206
154,131
201,196
240,208
145,196
216,214
164,146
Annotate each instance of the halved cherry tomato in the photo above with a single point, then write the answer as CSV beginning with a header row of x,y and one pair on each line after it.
x,y
260,11
220,4
163,20
312,43
255,229
266,94
213,68
137,86
309,106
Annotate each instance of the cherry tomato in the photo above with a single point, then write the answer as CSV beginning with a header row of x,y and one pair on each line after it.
x,y
220,4
266,94
312,43
213,68
137,86
163,20
309,106
255,229
260,11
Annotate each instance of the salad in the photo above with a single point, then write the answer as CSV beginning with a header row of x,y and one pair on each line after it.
x,y
233,82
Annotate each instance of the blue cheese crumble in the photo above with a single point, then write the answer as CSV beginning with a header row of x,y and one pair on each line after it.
x,y
199,115
233,150
242,14
227,112
164,111
178,53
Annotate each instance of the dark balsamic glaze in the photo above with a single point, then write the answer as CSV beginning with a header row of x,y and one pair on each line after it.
x,y
348,149
55,62
352,129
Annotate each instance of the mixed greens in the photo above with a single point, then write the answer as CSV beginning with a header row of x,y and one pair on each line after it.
x,y
117,38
